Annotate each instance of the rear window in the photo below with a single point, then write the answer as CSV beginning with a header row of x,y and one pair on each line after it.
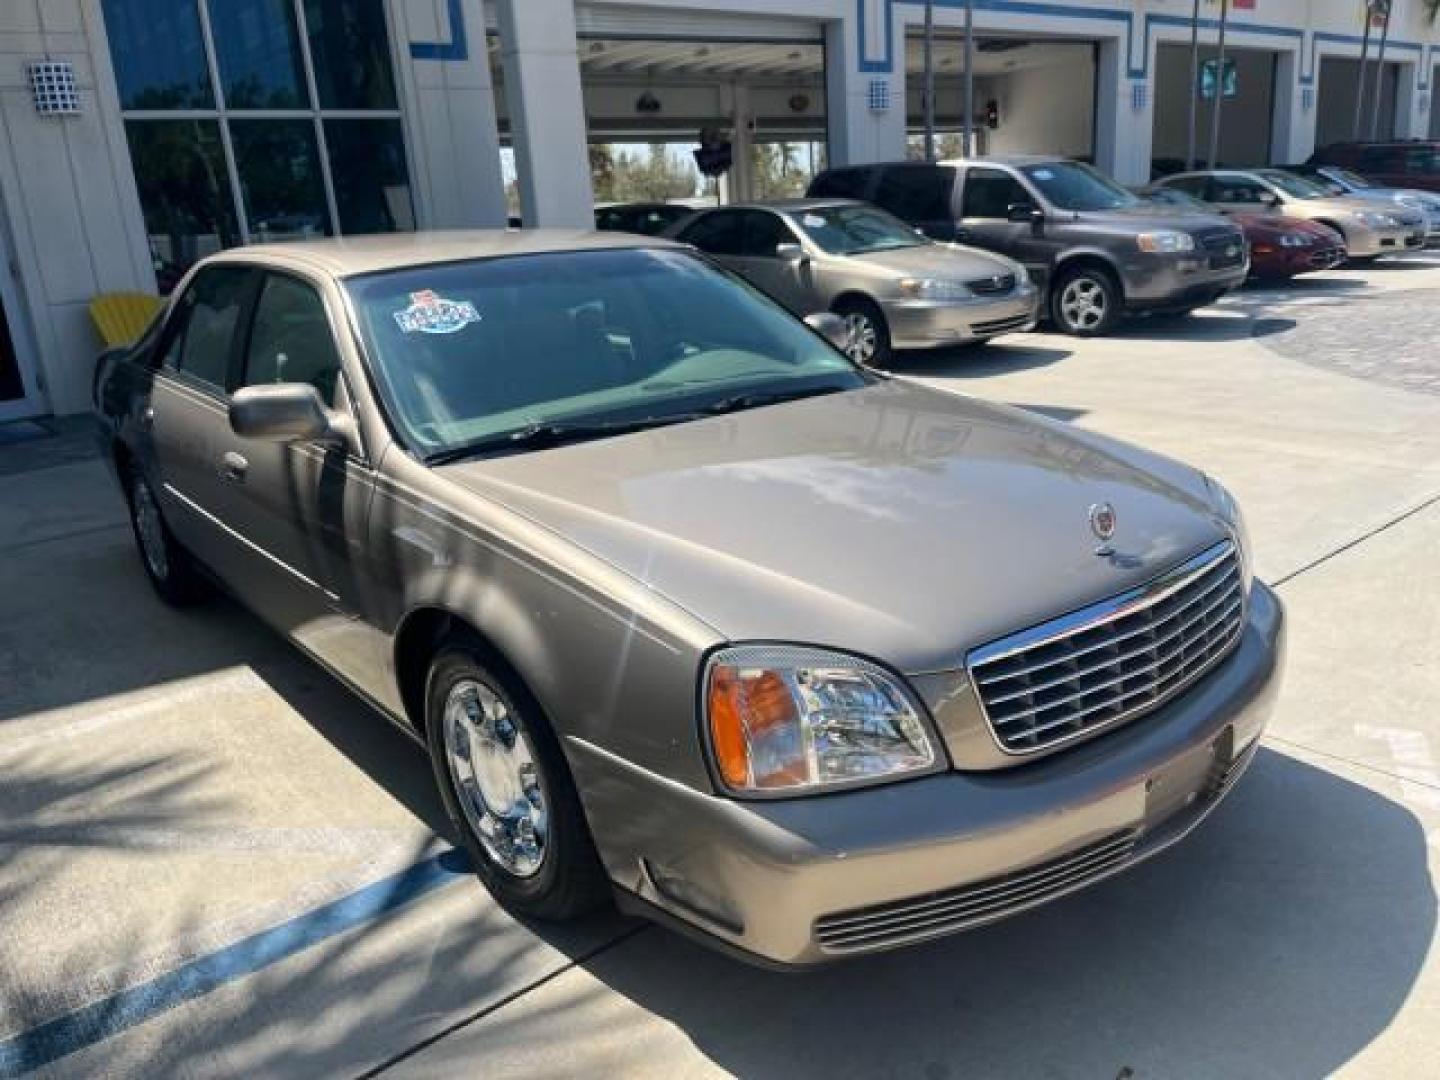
x,y
916,193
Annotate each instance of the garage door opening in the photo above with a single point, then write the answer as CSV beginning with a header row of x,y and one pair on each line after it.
x,y
1246,113
1335,100
1031,95
650,101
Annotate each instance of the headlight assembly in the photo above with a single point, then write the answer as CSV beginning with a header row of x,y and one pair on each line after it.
x,y
1294,240
931,289
1377,220
1166,241
1229,509
789,719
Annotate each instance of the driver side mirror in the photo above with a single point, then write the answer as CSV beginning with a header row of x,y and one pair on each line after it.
x,y
789,252
287,412
831,327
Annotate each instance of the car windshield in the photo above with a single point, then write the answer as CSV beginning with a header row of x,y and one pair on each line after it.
x,y
1176,197
1297,187
1351,179
1069,185
473,356
855,230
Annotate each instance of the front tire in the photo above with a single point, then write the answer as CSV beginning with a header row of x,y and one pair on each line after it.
x,y
868,341
507,789
1086,301
170,568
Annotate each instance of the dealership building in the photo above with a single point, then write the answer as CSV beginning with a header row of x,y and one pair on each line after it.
x,y
139,135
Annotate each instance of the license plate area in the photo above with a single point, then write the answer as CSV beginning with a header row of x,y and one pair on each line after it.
x,y
1189,780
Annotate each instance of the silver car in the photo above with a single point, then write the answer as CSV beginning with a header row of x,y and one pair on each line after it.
x,y
894,288
687,608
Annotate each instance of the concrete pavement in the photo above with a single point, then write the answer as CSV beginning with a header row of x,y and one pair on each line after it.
x,y
189,809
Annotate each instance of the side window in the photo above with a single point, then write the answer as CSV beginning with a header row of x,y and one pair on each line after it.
x,y
763,232
1236,189
1199,186
989,193
209,315
290,338
916,193
841,184
1381,159
719,233
1421,159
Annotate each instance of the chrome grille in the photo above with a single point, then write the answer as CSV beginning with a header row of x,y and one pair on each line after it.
x,y
1224,247
992,286
1114,660
942,912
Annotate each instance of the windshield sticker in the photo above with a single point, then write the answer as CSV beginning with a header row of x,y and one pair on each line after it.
x,y
1042,174
813,221
432,314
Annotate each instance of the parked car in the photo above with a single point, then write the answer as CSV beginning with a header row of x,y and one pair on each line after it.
x,y
1341,181
684,604
645,218
1280,247
1096,250
894,288
1369,231
1399,163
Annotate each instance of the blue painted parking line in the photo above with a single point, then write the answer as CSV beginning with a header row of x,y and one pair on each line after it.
x,y
109,1016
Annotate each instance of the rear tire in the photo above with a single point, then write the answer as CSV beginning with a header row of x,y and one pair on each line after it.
x,y
869,341
170,568
1085,301
507,789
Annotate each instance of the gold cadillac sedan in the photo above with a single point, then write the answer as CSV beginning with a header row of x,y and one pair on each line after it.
x,y
688,609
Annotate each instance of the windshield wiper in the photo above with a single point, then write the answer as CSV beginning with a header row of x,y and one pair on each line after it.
x,y
540,435
757,398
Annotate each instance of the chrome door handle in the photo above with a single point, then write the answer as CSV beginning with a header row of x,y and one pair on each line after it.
x,y
233,466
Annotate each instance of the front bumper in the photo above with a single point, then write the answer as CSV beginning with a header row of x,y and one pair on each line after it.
x,y
807,881
928,324
1154,281
1364,242
1287,262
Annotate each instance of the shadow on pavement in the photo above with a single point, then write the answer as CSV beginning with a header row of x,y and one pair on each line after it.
x,y
1279,940
1015,354
1207,325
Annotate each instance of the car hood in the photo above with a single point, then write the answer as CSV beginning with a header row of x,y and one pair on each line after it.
x,y
950,261
896,521
1149,217
1274,225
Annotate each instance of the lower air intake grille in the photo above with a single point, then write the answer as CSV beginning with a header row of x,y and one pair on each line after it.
x,y
955,909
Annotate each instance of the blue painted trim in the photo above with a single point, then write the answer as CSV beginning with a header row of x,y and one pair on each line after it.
x,y
457,48
109,1016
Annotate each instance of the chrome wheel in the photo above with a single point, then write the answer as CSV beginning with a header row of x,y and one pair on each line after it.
x,y
862,338
1084,304
150,529
496,782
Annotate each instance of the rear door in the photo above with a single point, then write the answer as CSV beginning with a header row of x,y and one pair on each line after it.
x,y
921,195
301,505
188,414
854,183
986,196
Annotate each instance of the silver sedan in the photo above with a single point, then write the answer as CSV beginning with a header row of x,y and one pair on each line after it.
x,y
894,288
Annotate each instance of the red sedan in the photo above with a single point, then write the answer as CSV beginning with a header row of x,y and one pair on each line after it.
x,y
1280,247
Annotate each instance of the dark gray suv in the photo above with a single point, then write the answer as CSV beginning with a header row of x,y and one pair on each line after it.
x,y
1097,250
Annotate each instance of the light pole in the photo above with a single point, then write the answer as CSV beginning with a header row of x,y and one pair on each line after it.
x,y
1382,7
967,132
929,80
1219,86
1360,76
1194,83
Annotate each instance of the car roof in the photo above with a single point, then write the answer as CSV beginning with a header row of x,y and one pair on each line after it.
x,y
795,205
1006,159
346,256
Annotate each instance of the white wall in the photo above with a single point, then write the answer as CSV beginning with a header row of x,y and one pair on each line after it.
x,y
73,214
1045,109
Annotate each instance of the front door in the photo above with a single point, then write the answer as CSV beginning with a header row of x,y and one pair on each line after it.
x,y
19,396
985,204
790,281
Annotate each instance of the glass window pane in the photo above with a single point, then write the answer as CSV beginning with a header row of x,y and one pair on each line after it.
x,y
372,184
184,192
158,53
280,183
258,50
351,50
212,308
290,339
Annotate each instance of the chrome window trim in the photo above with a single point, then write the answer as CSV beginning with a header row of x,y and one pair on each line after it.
x,y
1099,614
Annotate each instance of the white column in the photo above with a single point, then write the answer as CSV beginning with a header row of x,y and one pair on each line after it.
x,y
547,112
1123,132
742,138
858,133
1292,128
449,101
